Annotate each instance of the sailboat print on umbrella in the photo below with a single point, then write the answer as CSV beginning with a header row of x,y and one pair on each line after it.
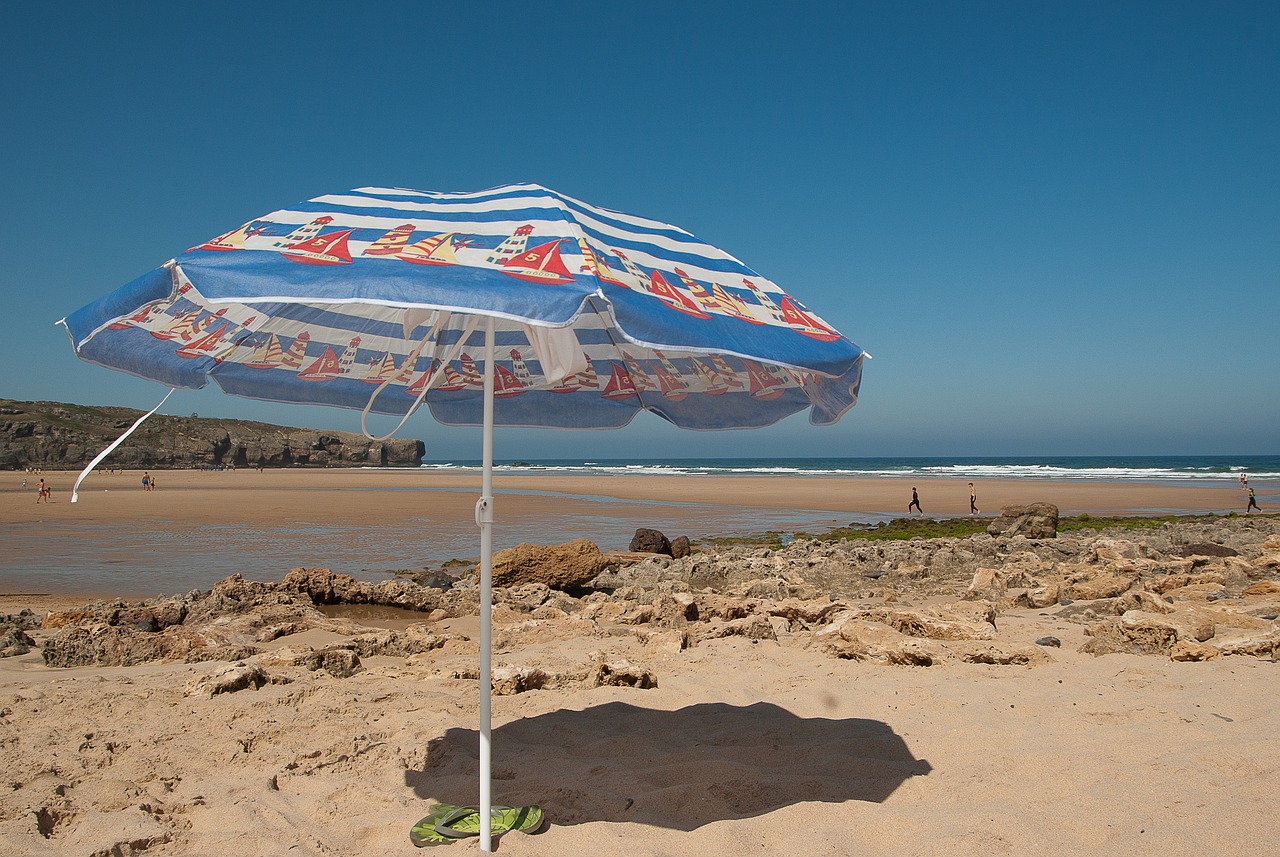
x,y
330,366
787,312
764,384
391,243
640,381
215,345
235,239
598,267
620,386
152,314
505,382
717,300
671,381
436,250
672,296
180,328
328,249
541,264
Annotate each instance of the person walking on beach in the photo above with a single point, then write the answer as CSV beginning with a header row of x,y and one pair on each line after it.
x,y
146,481
915,501
973,500
1253,503
1244,479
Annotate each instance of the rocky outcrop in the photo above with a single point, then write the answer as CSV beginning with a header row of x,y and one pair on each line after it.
x,y
56,436
1035,521
564,566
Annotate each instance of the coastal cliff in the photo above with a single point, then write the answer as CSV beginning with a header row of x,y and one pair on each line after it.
x,y
57,436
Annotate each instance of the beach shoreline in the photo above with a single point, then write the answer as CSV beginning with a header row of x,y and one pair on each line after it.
x,y
396,518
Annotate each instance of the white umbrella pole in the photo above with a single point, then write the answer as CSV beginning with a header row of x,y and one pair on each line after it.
x,y
484,517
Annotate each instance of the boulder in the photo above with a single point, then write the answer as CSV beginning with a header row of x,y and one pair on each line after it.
x,y
680,547
650,541
1034,521
563,566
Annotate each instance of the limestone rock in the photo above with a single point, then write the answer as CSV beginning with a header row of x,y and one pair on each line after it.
x,y
228,679
1035,521
621,673
563,566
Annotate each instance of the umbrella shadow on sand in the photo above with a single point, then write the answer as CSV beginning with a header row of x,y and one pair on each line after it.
x,y
674,769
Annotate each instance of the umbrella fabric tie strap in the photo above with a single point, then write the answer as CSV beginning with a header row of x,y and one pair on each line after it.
x,y
110,449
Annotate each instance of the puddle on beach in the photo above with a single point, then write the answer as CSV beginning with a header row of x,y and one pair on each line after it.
x,y
374,615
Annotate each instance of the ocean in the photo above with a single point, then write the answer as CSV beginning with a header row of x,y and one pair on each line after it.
x,y
1262,470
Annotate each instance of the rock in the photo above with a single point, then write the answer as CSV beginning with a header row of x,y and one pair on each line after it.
x,y
751,627
1100,585
565,566
1034,521
650,541
1051,641
622,674
1192,650
508,681
229,679
989,584
1207,549
14,641
1042,596
1263,587
680,547
939,623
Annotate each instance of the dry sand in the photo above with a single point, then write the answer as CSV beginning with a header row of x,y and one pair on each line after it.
x,y
743,748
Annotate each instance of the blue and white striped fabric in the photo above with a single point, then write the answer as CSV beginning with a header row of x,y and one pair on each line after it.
x,y
373,294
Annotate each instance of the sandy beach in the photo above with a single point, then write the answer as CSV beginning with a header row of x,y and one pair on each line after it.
x,y
769,743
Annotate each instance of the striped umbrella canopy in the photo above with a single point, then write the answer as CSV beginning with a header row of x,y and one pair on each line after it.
x,y
514,306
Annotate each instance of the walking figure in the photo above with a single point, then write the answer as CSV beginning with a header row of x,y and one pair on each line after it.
x,y
915,502
973,501
1253,503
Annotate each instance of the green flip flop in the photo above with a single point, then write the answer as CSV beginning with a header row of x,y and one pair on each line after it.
x,y
447,823
423,834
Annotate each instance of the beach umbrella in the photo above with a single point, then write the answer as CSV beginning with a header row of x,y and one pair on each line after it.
x,y
515,306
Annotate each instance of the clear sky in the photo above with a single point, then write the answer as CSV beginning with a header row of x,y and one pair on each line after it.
x,y
1055,225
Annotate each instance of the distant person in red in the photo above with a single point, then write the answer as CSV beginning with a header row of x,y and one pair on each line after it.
x,y
1253,503
915,502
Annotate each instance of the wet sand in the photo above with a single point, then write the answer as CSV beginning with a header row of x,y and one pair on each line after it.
x,y
199,526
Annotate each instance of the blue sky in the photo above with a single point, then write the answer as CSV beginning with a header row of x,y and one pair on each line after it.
x,y
1056,226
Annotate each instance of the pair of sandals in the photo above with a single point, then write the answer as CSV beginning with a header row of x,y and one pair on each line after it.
x,y
446,823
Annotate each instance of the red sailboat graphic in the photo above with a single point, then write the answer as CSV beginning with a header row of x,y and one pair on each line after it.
x,y
449,381
619,387
802,321
391,243
673,297
136,320
292,358
205,345
327,249
436,250
541,264
764,384
505,383
324,369
699,292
